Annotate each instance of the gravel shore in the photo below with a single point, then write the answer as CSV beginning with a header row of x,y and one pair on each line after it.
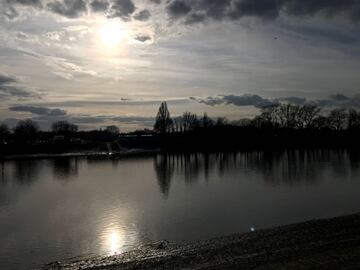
x,y
319,244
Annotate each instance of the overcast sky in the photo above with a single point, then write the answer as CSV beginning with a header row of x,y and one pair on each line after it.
x,y
100,62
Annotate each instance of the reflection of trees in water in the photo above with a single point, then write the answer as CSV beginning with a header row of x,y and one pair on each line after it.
x,y
3,173
286,167
164,167
26,171
65,168
354,157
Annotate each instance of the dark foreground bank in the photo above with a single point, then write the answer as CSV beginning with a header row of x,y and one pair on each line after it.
x,y
320,244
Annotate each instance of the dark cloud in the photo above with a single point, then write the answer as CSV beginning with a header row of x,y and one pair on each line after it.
x,y
243,100
99,5
200,10
339,97
178,8
257,101
155,1
143,15
4,80
38,110
143,38
194,11
122,9
9,88
247,100
68,8
34,3
293,100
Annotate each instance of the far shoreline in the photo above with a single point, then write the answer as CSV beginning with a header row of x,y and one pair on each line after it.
x,y
127,153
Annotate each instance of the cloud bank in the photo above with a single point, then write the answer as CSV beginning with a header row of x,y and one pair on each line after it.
x,y
201,10
38,110
195,11
9,88
338,100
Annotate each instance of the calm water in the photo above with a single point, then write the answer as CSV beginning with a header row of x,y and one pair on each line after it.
x,y
56,209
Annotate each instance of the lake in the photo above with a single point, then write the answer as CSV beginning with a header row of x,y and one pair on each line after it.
x,y
56,209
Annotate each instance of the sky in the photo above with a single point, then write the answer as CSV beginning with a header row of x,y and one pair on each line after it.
x,y
103,62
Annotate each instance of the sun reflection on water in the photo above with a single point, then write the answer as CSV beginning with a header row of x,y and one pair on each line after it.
x,y
113,240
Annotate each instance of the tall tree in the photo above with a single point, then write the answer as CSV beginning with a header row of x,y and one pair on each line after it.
x,y
163,122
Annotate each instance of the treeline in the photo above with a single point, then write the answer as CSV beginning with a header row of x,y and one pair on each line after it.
x,y
283,126
64,137
27,131
284,116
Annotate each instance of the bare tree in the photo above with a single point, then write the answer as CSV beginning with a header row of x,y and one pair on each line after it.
x,y
190,121
163,122
308,115
337,119
267,119
289,115
321,122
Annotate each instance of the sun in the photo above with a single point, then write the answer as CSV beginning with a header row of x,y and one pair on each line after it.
x,y
111,34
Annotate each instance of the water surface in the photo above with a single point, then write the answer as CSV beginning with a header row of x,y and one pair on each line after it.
x,y
56,209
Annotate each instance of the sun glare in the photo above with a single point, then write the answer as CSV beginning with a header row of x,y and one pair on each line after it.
x,y
112,34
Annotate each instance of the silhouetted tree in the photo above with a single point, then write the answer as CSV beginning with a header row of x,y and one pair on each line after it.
x,y
4,132
267,119
206,121
163,122
114,130
353,120
245,122
321,122
64,128
289,115
337,119
26,130
190,121
221,121
178,124
308,115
